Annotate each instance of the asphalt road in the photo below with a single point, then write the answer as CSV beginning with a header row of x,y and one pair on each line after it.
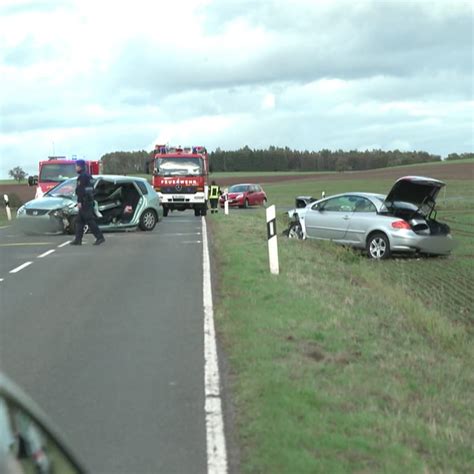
x,y
108,340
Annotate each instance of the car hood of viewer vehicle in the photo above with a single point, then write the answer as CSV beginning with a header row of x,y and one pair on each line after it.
x,y
47,203
415,190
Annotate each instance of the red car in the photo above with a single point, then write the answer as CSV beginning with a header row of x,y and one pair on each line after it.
x,y
244,195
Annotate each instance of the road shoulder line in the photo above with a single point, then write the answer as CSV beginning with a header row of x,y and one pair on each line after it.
x,y
216,445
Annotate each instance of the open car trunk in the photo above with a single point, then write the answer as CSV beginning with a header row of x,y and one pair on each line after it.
x,y
116,203
413,199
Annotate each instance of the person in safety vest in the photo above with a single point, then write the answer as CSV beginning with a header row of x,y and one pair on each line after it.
x,y
214,194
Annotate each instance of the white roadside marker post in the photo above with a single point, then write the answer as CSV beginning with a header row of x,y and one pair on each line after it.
x,y
226,207
7,207
323,194
272,240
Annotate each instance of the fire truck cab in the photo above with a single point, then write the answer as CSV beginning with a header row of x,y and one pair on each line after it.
x,y
56,169
180,177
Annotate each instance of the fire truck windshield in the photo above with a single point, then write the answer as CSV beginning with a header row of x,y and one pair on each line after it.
x,y
179,166
57,172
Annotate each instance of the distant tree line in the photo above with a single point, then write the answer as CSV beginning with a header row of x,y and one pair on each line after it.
x,y
285,159
126,162
462,156
279,159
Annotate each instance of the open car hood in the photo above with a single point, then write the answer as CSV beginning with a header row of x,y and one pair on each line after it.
x,y
415,190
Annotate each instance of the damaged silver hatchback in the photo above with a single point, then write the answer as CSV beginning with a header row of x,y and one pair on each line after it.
x,y
120,203
404,221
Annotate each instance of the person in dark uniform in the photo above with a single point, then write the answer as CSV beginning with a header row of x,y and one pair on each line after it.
x,y
85,203
214,194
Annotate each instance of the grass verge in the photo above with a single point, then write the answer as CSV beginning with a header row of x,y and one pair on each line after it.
x,y
335,367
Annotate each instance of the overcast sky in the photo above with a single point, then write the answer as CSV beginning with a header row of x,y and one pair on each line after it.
x,y
87,77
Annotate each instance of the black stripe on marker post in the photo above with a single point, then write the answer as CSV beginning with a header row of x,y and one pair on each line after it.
x,y
271,229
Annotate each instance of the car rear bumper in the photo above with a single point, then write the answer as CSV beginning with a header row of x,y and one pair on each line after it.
x,y
408,241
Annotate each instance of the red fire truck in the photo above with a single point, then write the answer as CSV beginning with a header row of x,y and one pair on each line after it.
x,y
180,177
56,169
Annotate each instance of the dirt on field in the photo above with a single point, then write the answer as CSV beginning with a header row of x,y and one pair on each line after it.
x,y
444,172
23,192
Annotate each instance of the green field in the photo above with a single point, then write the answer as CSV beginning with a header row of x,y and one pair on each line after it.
x,y
341,364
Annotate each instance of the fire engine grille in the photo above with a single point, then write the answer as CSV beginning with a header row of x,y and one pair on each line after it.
x,y
178,190
36,212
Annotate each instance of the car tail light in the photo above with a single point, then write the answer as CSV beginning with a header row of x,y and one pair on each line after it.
x,y
200,188
401,225
157,188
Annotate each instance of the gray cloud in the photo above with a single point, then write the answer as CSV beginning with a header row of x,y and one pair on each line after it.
x,y
312,75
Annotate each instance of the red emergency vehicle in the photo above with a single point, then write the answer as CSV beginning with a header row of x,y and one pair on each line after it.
x,y
56,169
180,177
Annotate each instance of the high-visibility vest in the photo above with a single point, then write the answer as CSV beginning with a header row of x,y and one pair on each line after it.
x,y
214,194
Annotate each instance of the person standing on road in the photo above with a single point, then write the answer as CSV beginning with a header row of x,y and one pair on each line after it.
x,y
214,194
85,204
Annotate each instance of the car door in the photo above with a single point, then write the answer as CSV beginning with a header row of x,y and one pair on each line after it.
x,y
260,194
252,195
329,219
361,220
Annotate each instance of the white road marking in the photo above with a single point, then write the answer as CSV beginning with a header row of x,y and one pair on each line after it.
x,y
49,252
216,445
64,244
1,279
21,267
191,242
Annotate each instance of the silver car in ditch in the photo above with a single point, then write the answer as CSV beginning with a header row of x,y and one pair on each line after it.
x,y
120,203
403,221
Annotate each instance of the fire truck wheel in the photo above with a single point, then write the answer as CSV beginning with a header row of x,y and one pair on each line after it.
x,y
165,211
148,220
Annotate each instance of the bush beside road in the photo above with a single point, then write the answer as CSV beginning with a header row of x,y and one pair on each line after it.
x,y
342,364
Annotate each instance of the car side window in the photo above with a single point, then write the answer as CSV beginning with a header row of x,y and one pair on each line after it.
x,y
142,187
338,204
364,205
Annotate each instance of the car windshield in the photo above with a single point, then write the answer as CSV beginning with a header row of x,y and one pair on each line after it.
x,y
238,188
179,166
66,189
57,172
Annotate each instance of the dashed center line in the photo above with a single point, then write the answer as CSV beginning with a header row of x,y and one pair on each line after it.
x,y
21,267
49,252
64,244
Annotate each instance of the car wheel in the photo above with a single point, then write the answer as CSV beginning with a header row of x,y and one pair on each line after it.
x,y
148,220
165,211
204,211
197,212
246,203
295,231
72,225
378,246
264,202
